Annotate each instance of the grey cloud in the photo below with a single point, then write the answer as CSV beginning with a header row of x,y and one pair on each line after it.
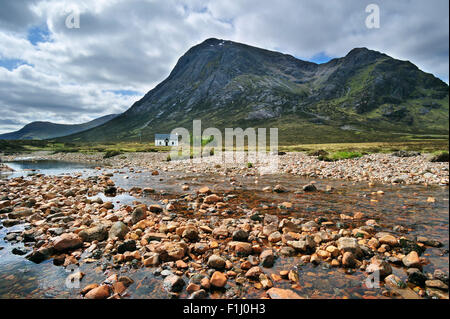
x,y
134,44
17,15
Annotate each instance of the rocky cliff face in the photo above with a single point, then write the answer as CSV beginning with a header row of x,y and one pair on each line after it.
x,y
228,84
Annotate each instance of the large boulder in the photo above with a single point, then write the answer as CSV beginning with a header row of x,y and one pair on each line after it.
x,y
98,233
67,241
118,230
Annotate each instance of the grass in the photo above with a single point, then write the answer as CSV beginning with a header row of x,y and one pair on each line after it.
x,y
336,156
423,146
331,151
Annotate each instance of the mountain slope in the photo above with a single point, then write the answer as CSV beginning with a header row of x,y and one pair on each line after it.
x,y
46,130
365,95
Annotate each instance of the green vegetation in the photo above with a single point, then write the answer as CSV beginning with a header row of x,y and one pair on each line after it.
x,y
340,156
111,153
330,151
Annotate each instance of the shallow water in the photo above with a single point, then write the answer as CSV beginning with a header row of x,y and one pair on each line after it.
x,y
400,205
29,167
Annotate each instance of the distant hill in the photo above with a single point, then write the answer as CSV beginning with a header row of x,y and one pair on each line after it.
x,y
366,95
46,130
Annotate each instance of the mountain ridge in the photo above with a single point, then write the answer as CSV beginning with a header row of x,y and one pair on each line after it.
x,y
229,84
46,129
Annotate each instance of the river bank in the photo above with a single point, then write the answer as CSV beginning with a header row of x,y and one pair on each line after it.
x,y
371,168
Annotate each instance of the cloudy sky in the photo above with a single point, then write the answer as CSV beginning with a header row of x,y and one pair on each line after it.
x,y
123,48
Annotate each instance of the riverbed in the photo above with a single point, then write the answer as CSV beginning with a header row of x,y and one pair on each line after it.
x,y
420,211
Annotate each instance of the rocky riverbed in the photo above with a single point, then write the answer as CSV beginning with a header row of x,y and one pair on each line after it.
x,y
403,168
156,232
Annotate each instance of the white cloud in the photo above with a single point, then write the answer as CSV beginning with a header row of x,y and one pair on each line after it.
x,y
133,45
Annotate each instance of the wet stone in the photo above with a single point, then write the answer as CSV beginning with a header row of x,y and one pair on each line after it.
x,y
173,283
128,245
415,276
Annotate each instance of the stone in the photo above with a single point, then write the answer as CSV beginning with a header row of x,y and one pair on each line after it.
x,y
409,245
39,255
287,251
199,294
429,242
119,287
118,230
241,248
218,279
436,284
389,240
416,277
152,260
128,245
98,233
191,288
442,276
88,288
265,281
173,283
21,212
155,236
216,262
67,241
10,222
279,189
304,245
394,281
137,215
155,209
211,199
309,188
101,292
20,251
267,258
351,245
190,233
204,190
380,266
436,293
275,237
240,235
349,260
127,281
172,251
308,226
278,293
333,250
220,232
253,272
412,260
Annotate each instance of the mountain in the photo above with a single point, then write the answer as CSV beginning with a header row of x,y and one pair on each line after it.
x,y
46,130
363,96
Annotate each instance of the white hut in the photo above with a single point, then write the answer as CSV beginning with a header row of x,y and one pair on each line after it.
x,y
166,139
